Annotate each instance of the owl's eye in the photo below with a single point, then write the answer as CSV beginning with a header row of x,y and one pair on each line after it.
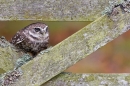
x,y
37,29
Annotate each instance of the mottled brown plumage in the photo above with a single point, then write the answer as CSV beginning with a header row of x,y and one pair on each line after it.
x,y
33,38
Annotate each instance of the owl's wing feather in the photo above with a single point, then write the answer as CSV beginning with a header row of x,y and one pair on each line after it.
x,y
18,38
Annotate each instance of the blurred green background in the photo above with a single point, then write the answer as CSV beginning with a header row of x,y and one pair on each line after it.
x,y
112,58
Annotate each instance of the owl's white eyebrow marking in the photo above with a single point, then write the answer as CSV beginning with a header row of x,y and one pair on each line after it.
x,y
39,27
45,27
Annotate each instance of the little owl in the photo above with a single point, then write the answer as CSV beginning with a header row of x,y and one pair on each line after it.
x,y
33,38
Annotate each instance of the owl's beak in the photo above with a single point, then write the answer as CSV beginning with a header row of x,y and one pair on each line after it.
x,y
41,32
45,30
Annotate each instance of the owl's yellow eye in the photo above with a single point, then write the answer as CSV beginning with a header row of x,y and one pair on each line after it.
x,y
37,29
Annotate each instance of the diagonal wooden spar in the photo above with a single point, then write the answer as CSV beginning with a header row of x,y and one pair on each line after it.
x,y
74,48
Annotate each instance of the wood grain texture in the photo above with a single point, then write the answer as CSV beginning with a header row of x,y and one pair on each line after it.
x,y
54,10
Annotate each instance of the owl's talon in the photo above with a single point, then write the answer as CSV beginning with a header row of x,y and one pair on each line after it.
x,y
46,50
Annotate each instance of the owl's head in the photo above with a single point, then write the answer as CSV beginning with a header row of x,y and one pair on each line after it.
x,y
37,32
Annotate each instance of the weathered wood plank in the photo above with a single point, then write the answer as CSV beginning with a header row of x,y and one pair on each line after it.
x,y
95,79
52,10
8,55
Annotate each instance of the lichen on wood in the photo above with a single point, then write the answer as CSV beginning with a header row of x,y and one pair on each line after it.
x,y
8,55
54,10
11,57
95,79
